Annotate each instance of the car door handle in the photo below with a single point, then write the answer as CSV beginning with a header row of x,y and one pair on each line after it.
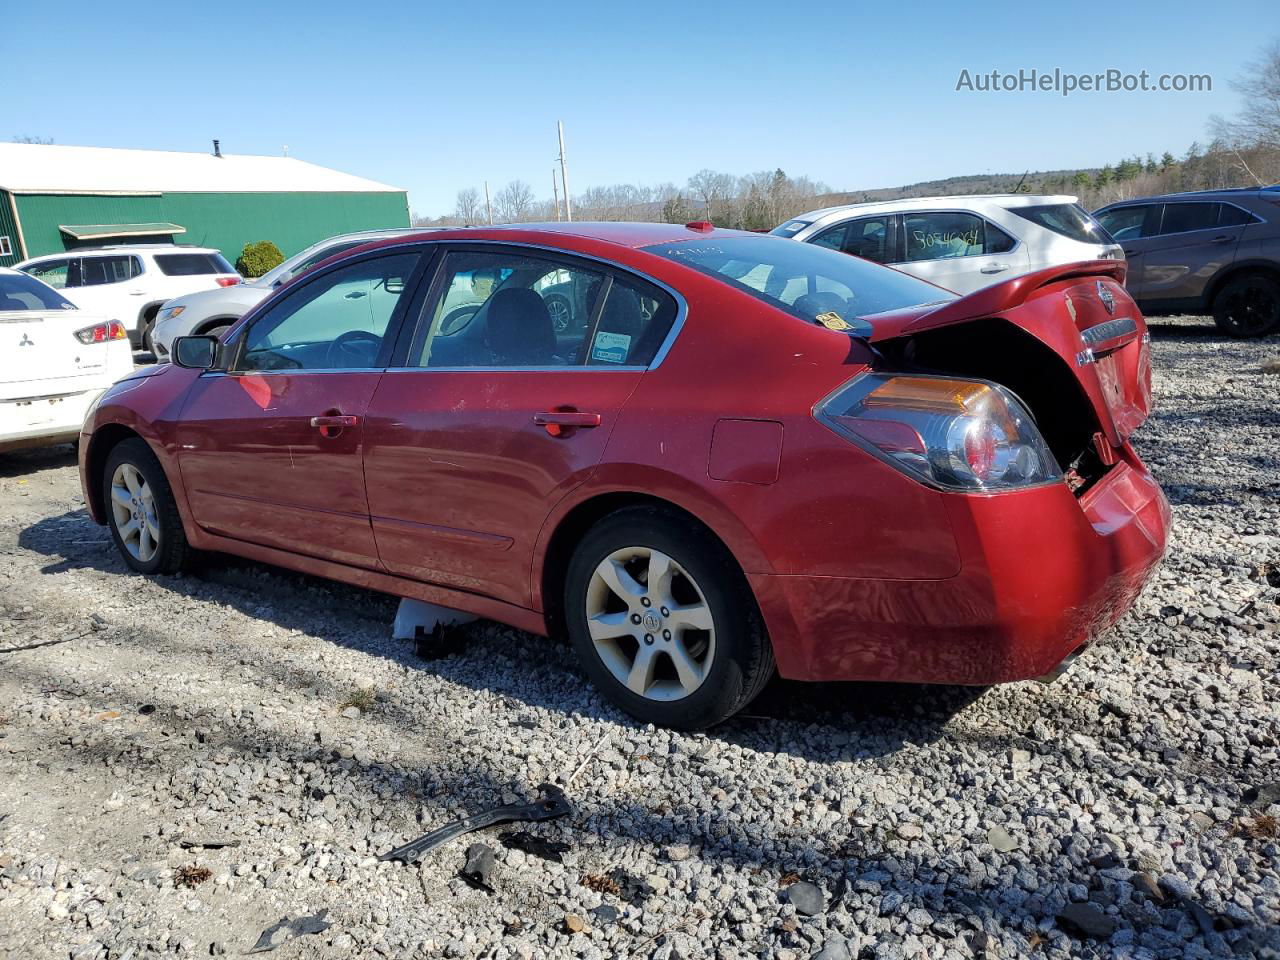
x,y
567,418
354,295
995,268
1225,238
137,293
559,422
338,421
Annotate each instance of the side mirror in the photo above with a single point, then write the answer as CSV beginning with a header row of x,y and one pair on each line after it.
x,y
282,280
195,353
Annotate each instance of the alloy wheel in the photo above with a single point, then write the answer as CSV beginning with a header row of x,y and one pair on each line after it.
x,y
559,311
133,511
650,623
1251,311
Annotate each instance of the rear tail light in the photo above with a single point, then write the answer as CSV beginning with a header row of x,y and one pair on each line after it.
x,y
966,435
102,332
228,281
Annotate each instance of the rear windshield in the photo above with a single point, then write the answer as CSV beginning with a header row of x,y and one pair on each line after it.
x,y
191,264
20,292
1065,219
803,279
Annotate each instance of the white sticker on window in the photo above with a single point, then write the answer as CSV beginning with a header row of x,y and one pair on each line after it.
x,y
611,347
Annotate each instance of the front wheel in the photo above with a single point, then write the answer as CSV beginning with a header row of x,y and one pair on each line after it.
x,y
1248,307
141,511
664,622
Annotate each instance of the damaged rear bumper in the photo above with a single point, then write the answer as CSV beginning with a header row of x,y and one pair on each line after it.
x,y
1043,575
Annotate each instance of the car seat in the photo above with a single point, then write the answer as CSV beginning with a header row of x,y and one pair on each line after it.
x,y
518,329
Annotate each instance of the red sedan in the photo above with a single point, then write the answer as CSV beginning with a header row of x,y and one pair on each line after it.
x,y
703,454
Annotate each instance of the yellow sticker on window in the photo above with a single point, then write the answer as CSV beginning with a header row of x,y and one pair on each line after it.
x,y
833,321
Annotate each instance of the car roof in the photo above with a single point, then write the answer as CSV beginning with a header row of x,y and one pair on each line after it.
x,y
1225,192
626,234
1003,200
122,248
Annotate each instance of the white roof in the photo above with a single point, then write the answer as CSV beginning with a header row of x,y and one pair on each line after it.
x,y
52,168
968,200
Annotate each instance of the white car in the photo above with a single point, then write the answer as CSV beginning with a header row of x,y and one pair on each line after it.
x,y
212,311
960,243
130,283
55,361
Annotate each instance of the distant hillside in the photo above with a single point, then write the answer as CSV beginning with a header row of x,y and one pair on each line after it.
x,y
1039,181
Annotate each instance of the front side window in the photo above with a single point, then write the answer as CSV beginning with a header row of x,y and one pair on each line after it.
x,y
869,238
1185,217
941,235
58,274
804,280
339,321
832,239
192,264
96,271
1130,223
21,292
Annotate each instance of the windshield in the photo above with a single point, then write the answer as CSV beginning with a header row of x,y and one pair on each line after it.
x,y
807,281
790,228
21,292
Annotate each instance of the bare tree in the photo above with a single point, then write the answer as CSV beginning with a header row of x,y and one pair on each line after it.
x,y
28,139
716,193
468,206
1258,123
513,201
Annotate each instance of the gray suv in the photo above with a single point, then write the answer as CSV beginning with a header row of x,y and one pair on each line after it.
x,y
1214,251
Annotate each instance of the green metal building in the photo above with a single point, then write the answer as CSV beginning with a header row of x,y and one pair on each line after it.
x,y
55,198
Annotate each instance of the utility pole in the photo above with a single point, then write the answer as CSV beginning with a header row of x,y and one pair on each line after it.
x,y
564,173
555,192
487,205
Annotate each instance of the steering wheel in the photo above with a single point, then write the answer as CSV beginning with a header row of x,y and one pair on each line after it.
x,y
353,349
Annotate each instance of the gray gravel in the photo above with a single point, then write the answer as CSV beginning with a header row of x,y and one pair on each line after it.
x,y
1127,811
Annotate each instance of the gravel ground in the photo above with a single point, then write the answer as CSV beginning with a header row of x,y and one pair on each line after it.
x,y
1126,811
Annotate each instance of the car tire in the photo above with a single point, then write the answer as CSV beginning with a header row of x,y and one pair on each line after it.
x,y
141,512
217,331
1248,307
659,667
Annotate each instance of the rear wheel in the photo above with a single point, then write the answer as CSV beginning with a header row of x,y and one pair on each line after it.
x,y
141,511
1248,307
664,622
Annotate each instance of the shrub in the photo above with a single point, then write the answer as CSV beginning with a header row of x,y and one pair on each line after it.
x,y
257,258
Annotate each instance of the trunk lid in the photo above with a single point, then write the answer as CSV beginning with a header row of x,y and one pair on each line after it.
x,y
1082,313
40,355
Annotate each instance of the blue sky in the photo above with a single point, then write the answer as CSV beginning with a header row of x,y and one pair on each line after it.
x,y
435,97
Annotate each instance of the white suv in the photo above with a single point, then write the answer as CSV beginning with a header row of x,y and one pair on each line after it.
x,y
128,284
213,311
960,243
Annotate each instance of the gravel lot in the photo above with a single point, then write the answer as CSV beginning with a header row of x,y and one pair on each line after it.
x,y
1126,811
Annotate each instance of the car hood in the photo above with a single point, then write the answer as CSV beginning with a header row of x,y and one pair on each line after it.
x,y
238,298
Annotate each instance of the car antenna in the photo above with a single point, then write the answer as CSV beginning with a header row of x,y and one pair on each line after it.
x,y
1018,188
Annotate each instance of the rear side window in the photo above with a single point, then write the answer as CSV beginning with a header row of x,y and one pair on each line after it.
x,y
191,264
1065,219
1185,217
1233,216
633,322
1131,223
96,271
942,235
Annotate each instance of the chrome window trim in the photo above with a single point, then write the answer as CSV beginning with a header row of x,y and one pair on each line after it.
x,y
677,324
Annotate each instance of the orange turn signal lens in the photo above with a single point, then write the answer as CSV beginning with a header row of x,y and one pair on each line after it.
x,y
932,394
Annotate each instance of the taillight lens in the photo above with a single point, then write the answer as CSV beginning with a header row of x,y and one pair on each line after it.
x,y
228,281
102,332
966,435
